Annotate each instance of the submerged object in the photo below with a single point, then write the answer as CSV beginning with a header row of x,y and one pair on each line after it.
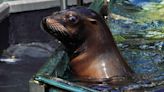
x,y
94,56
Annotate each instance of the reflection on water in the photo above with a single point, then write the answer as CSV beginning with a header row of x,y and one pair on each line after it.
x,y
9,60
138,28
148,65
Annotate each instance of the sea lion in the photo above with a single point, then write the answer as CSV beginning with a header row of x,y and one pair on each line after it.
x,y
93,53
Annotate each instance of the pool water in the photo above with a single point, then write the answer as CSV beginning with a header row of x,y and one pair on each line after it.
x,y
137,26
147,61
140,40
148,65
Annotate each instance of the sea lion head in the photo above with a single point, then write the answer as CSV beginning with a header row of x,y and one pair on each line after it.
x,y
70,26
89,43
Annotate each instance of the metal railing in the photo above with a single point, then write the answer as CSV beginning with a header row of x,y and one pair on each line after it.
x,y
63,3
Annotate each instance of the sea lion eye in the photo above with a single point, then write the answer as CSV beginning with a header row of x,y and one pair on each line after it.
x,y
73,19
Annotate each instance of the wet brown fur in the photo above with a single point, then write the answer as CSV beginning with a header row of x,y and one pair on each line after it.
x,y
93,52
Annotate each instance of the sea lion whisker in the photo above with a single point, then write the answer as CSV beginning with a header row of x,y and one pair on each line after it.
x,y
63,30
54,30
60,28
51,27
65,33
62,33
56,26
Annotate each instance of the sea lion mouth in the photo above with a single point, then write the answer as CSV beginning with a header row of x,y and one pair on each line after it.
x,y
54,28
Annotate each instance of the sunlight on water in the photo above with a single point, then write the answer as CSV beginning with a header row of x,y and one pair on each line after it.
x,y
138,28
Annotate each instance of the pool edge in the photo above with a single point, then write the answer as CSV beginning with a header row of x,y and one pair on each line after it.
x,y
4,10
21,6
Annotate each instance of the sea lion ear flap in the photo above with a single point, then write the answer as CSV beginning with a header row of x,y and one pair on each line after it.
x,y
93,21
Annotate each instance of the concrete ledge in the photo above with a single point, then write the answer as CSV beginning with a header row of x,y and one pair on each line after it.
x,y
4,10
28,5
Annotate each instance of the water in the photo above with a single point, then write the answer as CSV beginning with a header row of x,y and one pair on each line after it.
x,y
147,61
137,26
19,62
140,38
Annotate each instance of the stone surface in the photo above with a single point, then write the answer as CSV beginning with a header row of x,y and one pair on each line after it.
x,y
4,10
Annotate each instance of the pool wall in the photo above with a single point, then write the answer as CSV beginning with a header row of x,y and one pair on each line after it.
x,y
20,20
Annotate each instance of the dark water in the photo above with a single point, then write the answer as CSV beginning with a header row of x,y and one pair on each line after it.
x,y
19,63
24,48
14,77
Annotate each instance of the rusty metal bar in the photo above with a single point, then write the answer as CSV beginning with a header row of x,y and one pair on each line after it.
x,y
63,4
